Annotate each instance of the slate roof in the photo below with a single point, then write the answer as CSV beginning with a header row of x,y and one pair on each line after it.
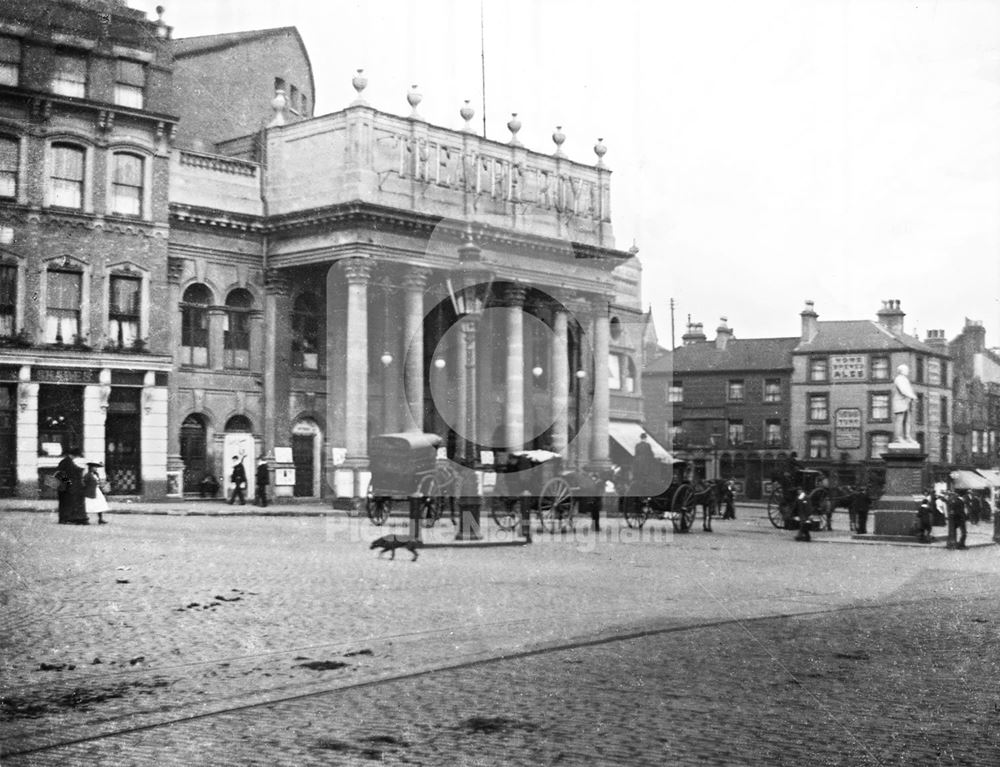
x,y
739,354
861,336
193,46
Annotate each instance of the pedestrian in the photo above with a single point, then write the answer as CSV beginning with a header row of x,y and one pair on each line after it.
x,y
69,474
729,499
925,517
957,529
263,479
644,462
238,478
860,505
94,500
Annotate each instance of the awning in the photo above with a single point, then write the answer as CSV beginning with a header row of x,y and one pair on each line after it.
x,y
992,476
626,434
969,480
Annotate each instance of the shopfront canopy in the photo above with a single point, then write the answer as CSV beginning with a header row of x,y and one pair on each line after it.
x,y
969,480
992,476
626,434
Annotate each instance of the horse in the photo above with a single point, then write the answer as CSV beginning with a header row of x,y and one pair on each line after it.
x,y
707,495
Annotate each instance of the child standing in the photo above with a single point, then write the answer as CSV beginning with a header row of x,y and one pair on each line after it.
x,y
93,499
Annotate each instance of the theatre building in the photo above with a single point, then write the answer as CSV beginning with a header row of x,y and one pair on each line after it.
x,y
193,266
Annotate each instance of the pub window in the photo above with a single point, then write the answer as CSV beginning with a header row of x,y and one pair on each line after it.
x,y
818,370
675,393
735,433
10,60
305,332
878,443
772,390
880,368
818,445
10,164
735,391
236,329
130,83
126,184
772,432
69,75
123,310
194,325
819,408
64,295
878,406
66,183
8,300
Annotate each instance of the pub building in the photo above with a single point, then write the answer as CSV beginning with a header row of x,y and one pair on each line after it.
x,y
259,281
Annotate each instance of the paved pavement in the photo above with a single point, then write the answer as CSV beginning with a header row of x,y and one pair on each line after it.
x,y
261,640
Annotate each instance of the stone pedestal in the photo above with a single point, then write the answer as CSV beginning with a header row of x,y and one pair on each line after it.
x,y
895,512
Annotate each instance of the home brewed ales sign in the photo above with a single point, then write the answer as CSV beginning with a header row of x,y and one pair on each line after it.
x,y
847,367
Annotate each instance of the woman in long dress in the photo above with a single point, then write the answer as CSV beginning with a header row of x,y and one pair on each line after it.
x,y
94,499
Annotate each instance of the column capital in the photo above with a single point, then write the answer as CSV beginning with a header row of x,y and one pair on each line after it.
x,y
276,283
415,278
513,295
357,269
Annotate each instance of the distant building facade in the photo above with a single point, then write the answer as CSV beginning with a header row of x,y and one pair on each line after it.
x,y
976,396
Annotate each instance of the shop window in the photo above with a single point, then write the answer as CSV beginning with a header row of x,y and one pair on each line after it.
x,y
10,165
10,61
126,184
124,310
236,329
194,325
8,300
306,332
130,84
60,419
69,75
63,300
66,182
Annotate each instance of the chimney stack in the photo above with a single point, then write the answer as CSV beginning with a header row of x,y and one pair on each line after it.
x,y
695,334
810,323
890,316
723,334
936,339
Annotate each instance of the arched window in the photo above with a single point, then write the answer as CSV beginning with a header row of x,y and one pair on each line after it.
x,y
194,325
66,181
239,423
305,332
236,331
126,184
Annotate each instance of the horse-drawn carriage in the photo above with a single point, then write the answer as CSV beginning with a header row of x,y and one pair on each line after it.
x,y
404,466
665,490
537,478
801,496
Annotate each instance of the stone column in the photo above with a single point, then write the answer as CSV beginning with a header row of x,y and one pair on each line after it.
x,y
559,371
175,465
277,362
335,351
27,434
256,324
602,395
95,414
414,285
358,272
514,414
153,442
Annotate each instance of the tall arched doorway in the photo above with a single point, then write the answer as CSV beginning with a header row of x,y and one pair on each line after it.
x,y
306,445
194,451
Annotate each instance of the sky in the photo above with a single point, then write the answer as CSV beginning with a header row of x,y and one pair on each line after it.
x,y
764,152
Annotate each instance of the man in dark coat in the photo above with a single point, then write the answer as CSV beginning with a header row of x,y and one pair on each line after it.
x,y
239,480
860,506
70,473
263,479
643,466
957,529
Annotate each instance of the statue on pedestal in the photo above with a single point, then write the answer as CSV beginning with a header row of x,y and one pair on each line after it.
x,y
903,397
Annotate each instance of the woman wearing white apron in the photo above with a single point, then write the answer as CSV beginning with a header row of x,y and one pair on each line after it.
x,y
93,498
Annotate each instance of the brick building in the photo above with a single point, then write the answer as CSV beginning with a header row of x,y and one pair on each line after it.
x,y
219,272
976,396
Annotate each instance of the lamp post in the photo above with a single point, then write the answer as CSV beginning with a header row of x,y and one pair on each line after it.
x,y
468,299
715,453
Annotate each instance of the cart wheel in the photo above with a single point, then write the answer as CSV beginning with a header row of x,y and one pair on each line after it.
x,y
682,506
505,509
430,501
378,506
555,505
636,510
775,508
819,505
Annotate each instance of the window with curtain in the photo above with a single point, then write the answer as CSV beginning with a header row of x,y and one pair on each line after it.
x,y
124,309
10,162
236,329
878,409
735,390
818,369
772,390
126,185
67,176
194,325
675,392
880,368
63,299
130,83
819,445
772,432
305,332
735,433
10,61
878,443
819,408
8,300
69,75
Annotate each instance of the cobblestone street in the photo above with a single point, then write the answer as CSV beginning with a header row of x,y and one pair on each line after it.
x,y
263,640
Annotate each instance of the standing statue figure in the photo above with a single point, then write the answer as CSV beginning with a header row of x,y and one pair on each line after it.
x,y
903,397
